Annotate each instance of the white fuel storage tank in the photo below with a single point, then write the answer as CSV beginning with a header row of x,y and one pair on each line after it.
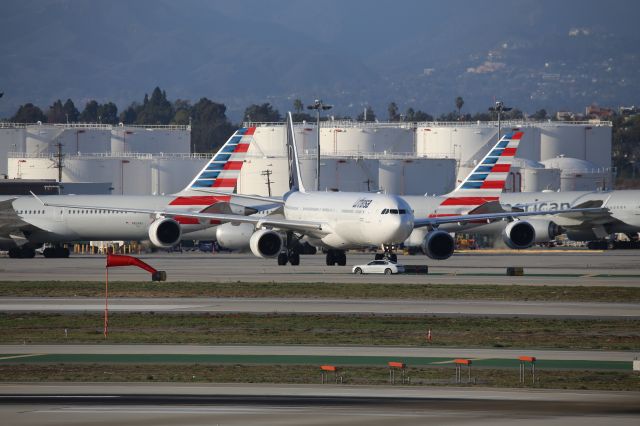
x,y
363,138
580,175
417,176
590,142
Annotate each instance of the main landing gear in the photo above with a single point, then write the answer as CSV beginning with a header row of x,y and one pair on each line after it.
x,y
56,252
23,252
336,257
292,251
388,254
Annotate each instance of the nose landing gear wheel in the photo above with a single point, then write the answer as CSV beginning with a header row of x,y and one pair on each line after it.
x,y
282,259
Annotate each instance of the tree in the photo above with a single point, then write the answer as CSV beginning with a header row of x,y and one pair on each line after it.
x,y
541,114
393,112
370,115
90,112
155,110
298,106
183,112
56,113
459,103
71,111
108,113
210,126
29,113
262,113
129,115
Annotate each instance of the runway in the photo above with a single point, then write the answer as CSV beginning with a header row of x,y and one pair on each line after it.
x,y
547,267
487,308
53,404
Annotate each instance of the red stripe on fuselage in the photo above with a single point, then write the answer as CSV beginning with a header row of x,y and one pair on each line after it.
x,y
200,200
508,152
492,184
233,165
501,168
242,147
467,201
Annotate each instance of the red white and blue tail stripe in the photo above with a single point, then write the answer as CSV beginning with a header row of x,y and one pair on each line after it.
x,y
486,181
221,173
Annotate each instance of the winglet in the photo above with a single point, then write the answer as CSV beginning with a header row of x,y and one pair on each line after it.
x,y
38,198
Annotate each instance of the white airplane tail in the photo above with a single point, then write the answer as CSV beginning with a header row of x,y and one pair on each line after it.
x,y
295,178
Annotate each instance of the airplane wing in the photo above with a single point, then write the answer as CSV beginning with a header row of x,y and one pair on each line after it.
x,y
491,217
11,225
257,220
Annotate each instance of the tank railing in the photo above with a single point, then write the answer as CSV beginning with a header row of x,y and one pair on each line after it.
x,y
595,170
351,124
378,155
134,155
97,126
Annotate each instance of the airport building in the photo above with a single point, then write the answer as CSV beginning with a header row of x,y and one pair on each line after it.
x,y
400,158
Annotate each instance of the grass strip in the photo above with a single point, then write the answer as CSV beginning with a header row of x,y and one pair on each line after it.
x,y
301,374
317,329
320,290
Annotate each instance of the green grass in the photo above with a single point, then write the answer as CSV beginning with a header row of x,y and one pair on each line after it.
x,y
320,290
301,374
361,329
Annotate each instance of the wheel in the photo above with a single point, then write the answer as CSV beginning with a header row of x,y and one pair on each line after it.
x,y
393,257
379,256
294,259
282,259
65,252
27,253
48,252
357,271
341,259
330,258
14,253
387,271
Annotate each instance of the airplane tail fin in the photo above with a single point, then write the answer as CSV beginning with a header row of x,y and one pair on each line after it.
x,y
223,170
490,175
295,178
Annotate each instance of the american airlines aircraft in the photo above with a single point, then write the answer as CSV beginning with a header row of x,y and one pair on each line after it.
x,y
26,223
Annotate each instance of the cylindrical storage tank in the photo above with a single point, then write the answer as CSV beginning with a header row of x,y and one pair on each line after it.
x,y
260,173
150,139
599,144
31,168
89,169
366,138
172,174
563,140
271,140
12,140
417,176
579,175
465,143
41,138
531,176
87,140
348,174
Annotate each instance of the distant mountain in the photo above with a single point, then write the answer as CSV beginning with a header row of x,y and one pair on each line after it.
x,y
422,54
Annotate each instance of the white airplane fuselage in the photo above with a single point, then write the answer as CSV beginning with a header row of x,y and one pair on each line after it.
x,y
354,220
61,224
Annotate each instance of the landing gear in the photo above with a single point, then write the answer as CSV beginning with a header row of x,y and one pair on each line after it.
x,y
388,254
56,252
22,253
336,257
292,253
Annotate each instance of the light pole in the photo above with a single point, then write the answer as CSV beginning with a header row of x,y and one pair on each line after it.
x,y
499,108
78,140
318,105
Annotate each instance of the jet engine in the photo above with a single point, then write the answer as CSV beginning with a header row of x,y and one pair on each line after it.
x,y
165,233
265,243
438,245
545,230
234,236
519,235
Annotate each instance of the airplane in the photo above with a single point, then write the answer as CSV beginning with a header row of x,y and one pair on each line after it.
x,y
26,223
335,221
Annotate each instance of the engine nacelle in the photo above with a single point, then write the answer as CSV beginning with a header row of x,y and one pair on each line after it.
x,y
265,243
438,245
234,236
165,233
545,230
519,234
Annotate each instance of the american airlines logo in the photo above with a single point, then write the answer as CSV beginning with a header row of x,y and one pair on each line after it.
x,y
544,206
362,203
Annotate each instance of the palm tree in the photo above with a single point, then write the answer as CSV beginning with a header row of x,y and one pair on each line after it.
x,y
297,106
459,103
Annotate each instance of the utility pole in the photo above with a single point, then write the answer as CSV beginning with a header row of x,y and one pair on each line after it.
x,y
318,105
268,174
59,161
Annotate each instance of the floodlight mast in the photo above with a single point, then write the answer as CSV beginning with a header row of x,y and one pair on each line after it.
x,y
499,108
318,105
